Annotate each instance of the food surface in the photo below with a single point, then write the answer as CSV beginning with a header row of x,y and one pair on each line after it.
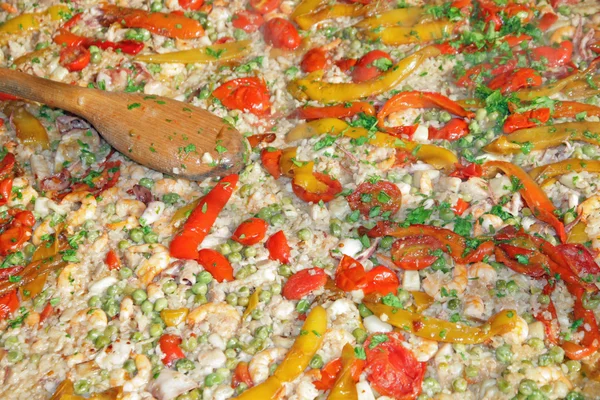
x,y
419,218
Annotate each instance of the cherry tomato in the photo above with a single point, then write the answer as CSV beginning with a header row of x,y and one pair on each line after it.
x,y
350,275
8,304
314,60
5,190
241,374
216,264
375,199
75,58
251,231
191,4
248,21
279,249
24,218
333,188
381,280
270,159
392,369
369,66
169,346
112,260
460,207
453,130
511,81
13,238
264,6
329,374
7,166
304,282
415,252
281,34
581,258
346,64
246,94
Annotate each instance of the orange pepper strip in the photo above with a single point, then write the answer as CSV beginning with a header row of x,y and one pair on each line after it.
x,y
535,198
345,385
171,25
569,109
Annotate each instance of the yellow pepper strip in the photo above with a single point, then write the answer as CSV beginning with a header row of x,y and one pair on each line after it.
x,y
57,12
445,331
312,86
29,22
65,391
63,388
436,156
252,303
577,234
174,317
344,387
548,172
422,301
556,87
216,53
306,21
29,129
30,56
543,137
296,360
398,17
581,88
47,249
305,178
307,7
183,213
399,35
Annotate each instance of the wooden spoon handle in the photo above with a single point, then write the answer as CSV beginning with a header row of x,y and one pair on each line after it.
x,y
54,94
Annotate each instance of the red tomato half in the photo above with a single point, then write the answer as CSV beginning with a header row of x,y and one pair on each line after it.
x,y
169,345
248,21
281,34
314,60
415,252
251,231
264,6
392,369
334,187
191,4
382,194
8,304
75,58
246,94
279,249
302,283
368,67
216,264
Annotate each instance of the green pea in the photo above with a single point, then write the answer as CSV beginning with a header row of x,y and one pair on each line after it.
x,y
536,395
386,243
573,365
276,288
199,288
82,386
453,304
246,189
249,252
431,115
536,343
233,343
590,301
234,257
504,354
231,299
123,244
156,330
184,364
360,335
241,388
189,344
110,330
224,249
265,296
460,385
101,341
284,270
574,396
129,366
95,58
543,299
335,228
557,354
512,287
445,116
169,287
244,291
239,34
265,213
302,306
262,332
480,114
568,218
256,314
364,311
204,277
446,214
137,235
170,198
527,387
212,380
151,237
230,353
528,317
305,234
114,290
156,6
316,362
503,385
439,264
137,336
242,301
403,295
147,183
277,219
93,334
94,302
431,386
200,299
111,310
139,296
589,150
471,371
147,307
160,304
235,246
14,356
544,360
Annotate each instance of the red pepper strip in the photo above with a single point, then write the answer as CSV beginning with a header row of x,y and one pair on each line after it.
x,y
279,249
465,172
528,119
569,109
186,242
582,260
485,249
453,130
169,345
8,304
417,99
471,75
550,327
5,273
535,198
5,190
547,20
46,312
554,56
216,264
533,270
447,49
591,339
338,111
329,374
173,25
350,275
68,39
72,22
270,158
513,40
514,80
7,166
460,207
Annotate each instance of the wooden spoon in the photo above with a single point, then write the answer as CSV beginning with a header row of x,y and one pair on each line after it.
x,y
160,133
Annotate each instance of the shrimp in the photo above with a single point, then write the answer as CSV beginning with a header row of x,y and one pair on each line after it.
x,y
218,317
86,211
87,319
566,32
65,281
423,349
130,210
151,267
432,285
548,375
126,311
260,363
484,273
25,192
43,230
588,207
474,306
487,223
142,377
